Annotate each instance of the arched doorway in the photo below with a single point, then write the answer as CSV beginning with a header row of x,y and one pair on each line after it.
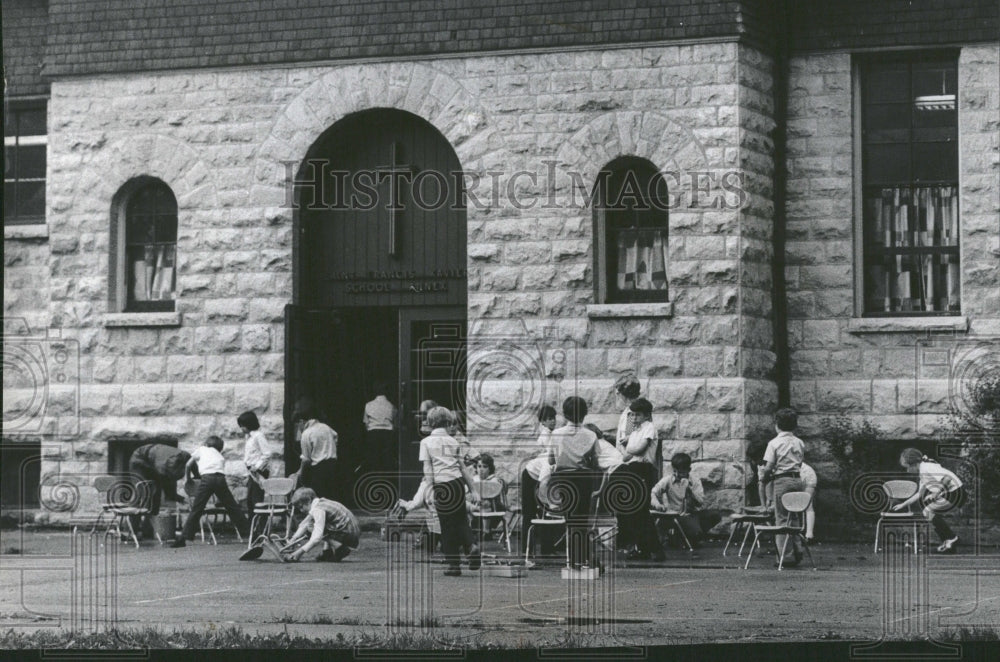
x,y
380,281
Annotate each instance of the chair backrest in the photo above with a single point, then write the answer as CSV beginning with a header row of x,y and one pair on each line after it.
x,y
104,483
899,490
489,489
277,490
796,502
144,491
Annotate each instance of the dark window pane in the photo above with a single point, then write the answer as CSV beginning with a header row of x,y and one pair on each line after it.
x,y
32,122
9,162
31,199
140,230
887,83
887,122
9,200
31,162
887,164
935,162
933,79
166,228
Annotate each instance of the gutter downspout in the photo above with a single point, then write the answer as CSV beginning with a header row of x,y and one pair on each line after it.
x,y
780,91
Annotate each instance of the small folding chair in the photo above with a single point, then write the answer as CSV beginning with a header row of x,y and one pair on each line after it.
x,y
491,490
897,491
124,510
748,521
275,505
672,517
796,503
547,520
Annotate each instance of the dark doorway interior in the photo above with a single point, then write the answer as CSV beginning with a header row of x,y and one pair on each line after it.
x,y
20,465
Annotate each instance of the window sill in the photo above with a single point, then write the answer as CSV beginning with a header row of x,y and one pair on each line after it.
x,y
26,231
138,320
628,310
907,324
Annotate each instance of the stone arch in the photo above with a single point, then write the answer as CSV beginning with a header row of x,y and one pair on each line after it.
x,y
424,91
115,163
668,144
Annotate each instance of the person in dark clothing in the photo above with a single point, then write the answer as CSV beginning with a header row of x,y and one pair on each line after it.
x,y
162,464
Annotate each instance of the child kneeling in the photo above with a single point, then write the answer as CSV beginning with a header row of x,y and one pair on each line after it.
x,y
329,522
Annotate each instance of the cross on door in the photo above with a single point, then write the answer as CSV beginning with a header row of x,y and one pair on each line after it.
x,y
396,172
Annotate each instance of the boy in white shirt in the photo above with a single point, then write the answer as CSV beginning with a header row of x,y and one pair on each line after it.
x,y
211,466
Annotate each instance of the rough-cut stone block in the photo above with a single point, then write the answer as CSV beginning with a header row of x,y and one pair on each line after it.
x,y
843,396
203,399
703,426
146,400
657,362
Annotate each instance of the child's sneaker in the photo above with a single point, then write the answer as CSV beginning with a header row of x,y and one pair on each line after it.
x,y
947,544
326,556
340,553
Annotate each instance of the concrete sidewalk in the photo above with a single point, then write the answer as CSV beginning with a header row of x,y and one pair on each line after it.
x,y
385,587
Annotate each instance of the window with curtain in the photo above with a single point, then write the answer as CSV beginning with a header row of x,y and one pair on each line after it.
x,y
151,249
631,232
25,143
910,209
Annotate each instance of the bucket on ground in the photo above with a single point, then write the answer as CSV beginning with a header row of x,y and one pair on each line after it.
x,y
165,526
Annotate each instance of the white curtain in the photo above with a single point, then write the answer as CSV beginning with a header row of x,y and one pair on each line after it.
x,y
642,260
154,274
913,218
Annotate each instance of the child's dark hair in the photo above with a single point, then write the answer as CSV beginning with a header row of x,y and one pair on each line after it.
x,y
681,462
755,451
628,386
575,409
786,419
487,459
911,457
546,412
381,388
248,420
215,442
642,406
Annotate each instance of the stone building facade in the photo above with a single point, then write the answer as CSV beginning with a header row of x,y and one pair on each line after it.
x,y
533,114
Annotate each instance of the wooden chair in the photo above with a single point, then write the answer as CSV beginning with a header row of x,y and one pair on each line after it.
x,y
796,503
276,504
898,491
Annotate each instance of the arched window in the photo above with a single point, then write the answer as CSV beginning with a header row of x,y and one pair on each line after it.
x,y
630,217
146,247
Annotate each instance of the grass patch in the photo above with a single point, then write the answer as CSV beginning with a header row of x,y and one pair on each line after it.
x,y
974,633
224,638
424,622
319,619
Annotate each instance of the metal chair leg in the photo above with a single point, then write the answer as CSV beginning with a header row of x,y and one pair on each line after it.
x,y
527,543
756,535
131,531
781,552
805,543
749,526
732,532
878,525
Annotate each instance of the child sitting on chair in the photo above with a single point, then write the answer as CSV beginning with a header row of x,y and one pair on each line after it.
x,y
678,493
328,522
486,473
